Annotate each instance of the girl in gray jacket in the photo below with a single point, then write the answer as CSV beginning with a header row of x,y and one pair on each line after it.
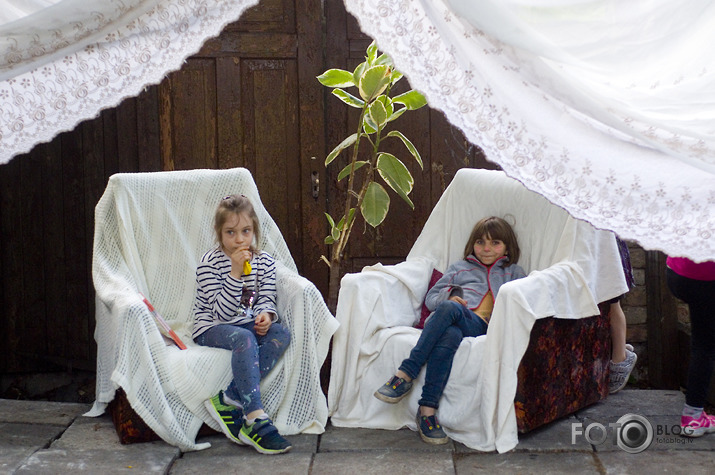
x,y
461,303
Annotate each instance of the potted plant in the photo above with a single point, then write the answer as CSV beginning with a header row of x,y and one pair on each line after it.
x,y
374,79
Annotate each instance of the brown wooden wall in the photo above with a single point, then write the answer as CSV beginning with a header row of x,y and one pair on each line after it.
x,y
249,98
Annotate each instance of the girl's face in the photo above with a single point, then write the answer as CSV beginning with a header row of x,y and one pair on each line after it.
x,y
236,232
489,250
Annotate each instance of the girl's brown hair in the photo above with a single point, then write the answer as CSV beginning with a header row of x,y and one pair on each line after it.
x,y
495,228
236,204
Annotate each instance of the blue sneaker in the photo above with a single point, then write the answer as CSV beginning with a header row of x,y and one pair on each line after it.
x,y
393,390
430,430
263,436
229,418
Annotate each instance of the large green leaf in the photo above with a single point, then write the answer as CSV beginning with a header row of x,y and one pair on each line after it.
x,y
384,59
411,99
387,102
357,73
396,174
346,171
371,53
337,78
342,146
348,98
373,82
369,125
375,205
408,144
395,115
378,113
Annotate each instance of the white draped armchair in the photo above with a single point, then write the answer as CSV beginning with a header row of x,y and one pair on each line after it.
x,y
150,232
571,268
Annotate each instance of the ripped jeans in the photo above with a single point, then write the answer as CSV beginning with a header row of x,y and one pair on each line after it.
x,y
252,357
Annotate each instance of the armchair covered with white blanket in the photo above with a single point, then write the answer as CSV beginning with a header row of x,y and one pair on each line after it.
x,y
151,230
571,268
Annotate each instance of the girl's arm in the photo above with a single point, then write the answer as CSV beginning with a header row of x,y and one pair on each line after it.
x,y
216,298
265,301
440,290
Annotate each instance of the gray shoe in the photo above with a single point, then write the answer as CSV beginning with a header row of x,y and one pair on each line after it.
x,y
393,390
620,372
430,430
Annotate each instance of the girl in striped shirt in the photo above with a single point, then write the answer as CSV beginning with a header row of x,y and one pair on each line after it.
x,y
235,309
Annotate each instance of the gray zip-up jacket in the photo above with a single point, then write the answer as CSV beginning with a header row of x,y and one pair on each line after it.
x,y
476,280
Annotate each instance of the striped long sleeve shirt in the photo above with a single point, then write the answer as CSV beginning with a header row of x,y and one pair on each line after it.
x,y
218,294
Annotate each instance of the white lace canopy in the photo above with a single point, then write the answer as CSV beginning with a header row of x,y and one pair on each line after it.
x,y
605,107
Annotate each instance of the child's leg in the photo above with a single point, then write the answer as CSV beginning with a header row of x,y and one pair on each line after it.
x,y
439,366
271,347
244,363
448,313
618,332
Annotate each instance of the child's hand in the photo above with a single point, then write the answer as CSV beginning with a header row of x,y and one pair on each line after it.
x,y
263,323
459,300
238,258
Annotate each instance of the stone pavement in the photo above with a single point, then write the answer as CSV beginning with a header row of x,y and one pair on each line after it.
x,y
39,437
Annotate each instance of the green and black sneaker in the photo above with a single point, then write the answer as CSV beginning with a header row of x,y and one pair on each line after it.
x,y
229,417
263,436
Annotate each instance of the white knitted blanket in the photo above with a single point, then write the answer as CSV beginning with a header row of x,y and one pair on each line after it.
x,y
571,267
150,232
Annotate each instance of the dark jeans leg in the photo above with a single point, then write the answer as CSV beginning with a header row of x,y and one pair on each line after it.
x,y
252,357
698,294
437,345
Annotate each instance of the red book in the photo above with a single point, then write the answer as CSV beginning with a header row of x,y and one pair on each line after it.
x,y
164,327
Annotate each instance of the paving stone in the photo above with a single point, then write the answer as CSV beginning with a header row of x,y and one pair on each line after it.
x,y
41,412
654,462
303,443
340,439
554,437
527,463
381,462
665,432
28,435
12,457
634,401
230,458
141,458
99,430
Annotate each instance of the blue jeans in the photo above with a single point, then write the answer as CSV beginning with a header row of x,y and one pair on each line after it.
x,y
437,345
252,357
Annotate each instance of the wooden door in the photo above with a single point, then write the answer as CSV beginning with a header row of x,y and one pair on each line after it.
x,y
250,99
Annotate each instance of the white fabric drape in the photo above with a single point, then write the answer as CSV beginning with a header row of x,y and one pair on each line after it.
x,y
606,108
63,61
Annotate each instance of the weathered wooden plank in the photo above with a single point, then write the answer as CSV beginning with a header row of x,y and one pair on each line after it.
x,y
228,116
77,286
54,245
312,142
662,325
188,116
30,247
148,130
250,46
11,264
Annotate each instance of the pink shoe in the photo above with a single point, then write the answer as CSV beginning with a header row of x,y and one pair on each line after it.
x,y
697,427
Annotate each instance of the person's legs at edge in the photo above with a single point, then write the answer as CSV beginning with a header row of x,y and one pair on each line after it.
x,y
698,295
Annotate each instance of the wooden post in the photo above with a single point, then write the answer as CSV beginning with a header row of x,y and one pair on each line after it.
x,y
662,325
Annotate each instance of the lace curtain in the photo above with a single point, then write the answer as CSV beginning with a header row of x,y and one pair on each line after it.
x,y
63,61
605,107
